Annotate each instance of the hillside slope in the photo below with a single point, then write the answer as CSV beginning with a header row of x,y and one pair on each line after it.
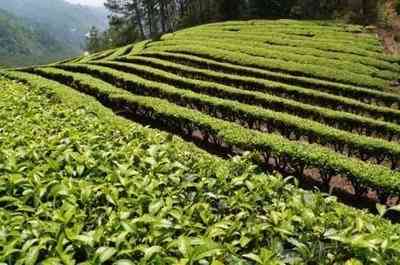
x,y
24,43
310,100
64,22
80,185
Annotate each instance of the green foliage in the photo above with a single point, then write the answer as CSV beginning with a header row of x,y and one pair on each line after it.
x,y
282,89
79,185
308,99
302,56
94,41
183,120
65,22
338,119
309,66
117,35
24,43
249,116
357,47
152,18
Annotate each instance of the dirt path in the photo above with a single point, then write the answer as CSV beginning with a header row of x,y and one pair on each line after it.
x,y
388,35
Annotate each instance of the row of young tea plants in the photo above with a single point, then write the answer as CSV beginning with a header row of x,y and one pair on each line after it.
x,y
284,85
275,39
365,148
80,186
279,153
201,81
355,70
283,66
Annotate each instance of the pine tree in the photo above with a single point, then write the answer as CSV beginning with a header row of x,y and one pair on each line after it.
x,y
94,42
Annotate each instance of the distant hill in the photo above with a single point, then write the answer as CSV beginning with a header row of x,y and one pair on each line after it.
x,y
55,25
24,43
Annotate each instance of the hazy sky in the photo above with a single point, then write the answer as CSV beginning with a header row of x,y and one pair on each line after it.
x,y
88,2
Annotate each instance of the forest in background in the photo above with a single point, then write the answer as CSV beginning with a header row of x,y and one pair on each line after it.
x,y
133,20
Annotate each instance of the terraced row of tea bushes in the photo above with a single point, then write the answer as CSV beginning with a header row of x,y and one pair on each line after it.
x,y
125,50
296,92
69,60
276,39
139,47
379,64
75,204
278,153
94,196
205,61
263,36
292,127
86,58
99,56
304,68
318,34
295,25
369,41
110,54
307,96
287,54
292,23
173,72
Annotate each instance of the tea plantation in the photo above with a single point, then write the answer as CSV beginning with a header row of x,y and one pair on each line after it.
x,y
203,147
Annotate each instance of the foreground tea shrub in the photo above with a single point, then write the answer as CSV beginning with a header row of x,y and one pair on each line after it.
x,y
79,186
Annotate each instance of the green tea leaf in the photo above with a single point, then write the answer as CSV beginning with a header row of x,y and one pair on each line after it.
x,y
105,253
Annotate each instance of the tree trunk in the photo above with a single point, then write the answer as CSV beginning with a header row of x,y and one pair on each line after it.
x,y
163,16
138,19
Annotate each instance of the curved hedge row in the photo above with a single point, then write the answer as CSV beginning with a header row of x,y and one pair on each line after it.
x,y
337,119
300,35
277,152
139,47
365,148
291,23
366,40
323,34
368,61
199,61
125,50
298,55
82,214
304,95
301,67
278,88
370,96
275,39
95,56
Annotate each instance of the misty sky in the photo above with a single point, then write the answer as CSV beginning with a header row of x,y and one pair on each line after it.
x,y
88,2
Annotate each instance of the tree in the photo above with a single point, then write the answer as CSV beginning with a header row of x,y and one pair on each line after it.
x,y
121,32
271,8
94,41
130,10
230,9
